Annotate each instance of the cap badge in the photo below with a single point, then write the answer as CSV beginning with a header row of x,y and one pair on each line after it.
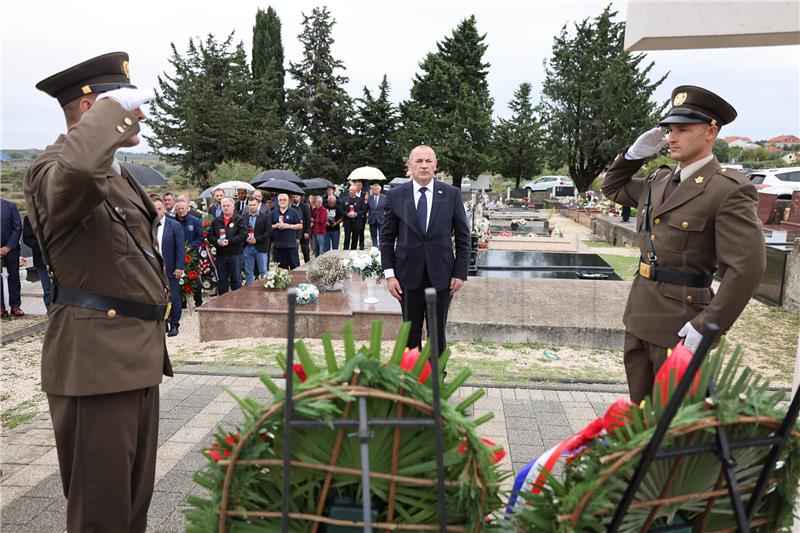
x,y
679,99
125,68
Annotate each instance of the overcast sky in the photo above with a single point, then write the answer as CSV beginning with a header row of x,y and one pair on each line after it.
x,y
373,37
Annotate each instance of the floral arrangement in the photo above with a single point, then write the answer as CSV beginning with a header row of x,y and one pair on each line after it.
x,y
327,270
519,222
556,232
481,229
276,277
306,293
599,460
324,458
505,233
367,264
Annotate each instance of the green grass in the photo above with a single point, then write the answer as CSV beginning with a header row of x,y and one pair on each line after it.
x,y
20,413
625,267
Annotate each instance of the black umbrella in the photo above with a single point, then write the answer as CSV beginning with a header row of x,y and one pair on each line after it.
x,y
146,176
317,183
270,175
281,186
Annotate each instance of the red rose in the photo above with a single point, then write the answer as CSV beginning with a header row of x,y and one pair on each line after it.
x,y
187,258
214,451
409,360
192,275
300,372
498,455
187,288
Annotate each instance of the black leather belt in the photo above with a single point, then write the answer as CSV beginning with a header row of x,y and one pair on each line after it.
x,y
109,305
674,277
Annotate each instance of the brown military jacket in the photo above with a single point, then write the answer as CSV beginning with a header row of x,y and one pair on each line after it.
x,y
86,352
707,224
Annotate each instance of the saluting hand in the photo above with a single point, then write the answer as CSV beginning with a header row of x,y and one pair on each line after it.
x,y
128,97
648,143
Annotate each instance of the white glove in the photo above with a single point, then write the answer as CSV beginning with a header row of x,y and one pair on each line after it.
x,y
692,336
648,143
128,97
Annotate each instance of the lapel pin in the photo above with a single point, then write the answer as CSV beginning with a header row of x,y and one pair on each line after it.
x,y
440,192
698,179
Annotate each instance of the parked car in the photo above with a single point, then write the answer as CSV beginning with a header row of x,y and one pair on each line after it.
x,y
780,181
466,185
546,183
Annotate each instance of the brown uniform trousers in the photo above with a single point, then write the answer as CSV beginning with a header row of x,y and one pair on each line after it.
x,y
101,371
707,225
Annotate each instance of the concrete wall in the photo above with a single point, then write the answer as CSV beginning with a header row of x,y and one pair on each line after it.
x,y
613,232
659,25
791,279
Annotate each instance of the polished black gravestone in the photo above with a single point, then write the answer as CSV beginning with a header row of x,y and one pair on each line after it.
x,y
779,245
526,264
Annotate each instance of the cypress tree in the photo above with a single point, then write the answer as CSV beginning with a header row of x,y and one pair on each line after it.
x,y
518,140
375,133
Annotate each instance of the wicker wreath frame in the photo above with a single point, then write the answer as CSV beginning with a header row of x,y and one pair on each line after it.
x,y
691,431
321,393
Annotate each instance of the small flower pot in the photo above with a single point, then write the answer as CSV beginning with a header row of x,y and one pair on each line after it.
x,y
514,226
483,245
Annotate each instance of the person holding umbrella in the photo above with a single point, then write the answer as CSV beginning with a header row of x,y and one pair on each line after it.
x,y
286,222
355,211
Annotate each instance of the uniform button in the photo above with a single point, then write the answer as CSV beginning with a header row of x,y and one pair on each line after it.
x,y
657,221
121,128
652,237
127,121
685,225
111,313
690,298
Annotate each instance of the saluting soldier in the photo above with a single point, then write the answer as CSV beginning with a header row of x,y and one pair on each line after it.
x,y
104,351
695,218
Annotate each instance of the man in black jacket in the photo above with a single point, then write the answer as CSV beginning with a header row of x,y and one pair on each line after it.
x,y
227,235
256,248
355,212
29,238
304,235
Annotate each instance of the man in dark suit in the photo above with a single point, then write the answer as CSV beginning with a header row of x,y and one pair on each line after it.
x,y
256,248
375,204
11,230
29,238
215,209
355,211
241,201
423,217
169,234
227,235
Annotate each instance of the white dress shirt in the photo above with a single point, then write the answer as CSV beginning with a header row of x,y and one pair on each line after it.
x,y
691,168
389,272
160,236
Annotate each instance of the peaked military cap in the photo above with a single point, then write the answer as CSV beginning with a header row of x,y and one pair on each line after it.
x,y
695,105
97,75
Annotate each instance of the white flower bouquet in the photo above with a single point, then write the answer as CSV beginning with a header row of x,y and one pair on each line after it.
x,y
276,277
306,293
367,264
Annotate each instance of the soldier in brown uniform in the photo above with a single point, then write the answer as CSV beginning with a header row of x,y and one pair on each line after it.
x,y
695,219
104,351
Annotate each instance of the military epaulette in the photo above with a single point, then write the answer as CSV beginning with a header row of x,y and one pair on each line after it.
x,y
733,174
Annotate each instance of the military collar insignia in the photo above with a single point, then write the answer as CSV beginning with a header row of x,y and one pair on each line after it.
x,y
699,179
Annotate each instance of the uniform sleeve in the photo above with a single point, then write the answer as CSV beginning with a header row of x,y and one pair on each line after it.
x,y
741,258
619,184
76,180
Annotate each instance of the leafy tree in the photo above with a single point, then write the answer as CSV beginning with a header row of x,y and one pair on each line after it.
x,y
375,133
450,107
518,141
757,154
596,97
200,116
721,150
234,171
319,108
268,107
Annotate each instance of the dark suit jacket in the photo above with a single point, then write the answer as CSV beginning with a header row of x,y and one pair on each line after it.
x,y
305,214
375,214
172,247
212,210
408,251
10,225
262,230
29,238
240,206
360,208
235,232
192,231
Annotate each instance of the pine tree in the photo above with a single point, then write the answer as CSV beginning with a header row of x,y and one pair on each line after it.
x,y
200,116
319,108
596,97
518,141
269,100
375,133
450,107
